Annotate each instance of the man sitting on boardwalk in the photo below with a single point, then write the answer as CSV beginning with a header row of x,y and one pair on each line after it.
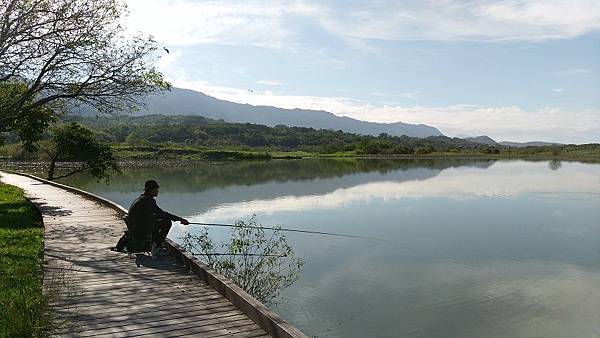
x,y
146,218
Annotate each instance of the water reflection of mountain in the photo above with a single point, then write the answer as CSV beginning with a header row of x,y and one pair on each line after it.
x,y
202,186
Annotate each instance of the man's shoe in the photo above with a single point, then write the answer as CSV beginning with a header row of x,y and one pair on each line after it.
x,y
158,251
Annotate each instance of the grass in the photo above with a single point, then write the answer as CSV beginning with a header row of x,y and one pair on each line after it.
x,y
15,151
24,308
187,153
180,152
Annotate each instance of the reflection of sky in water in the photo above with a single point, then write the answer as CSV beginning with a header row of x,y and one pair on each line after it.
x,y
503,180
511,249
456,184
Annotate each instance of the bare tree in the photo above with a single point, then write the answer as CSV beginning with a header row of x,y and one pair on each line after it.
x,y
58,53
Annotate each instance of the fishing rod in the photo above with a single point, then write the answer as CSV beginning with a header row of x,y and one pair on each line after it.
x,y
240,254
290,230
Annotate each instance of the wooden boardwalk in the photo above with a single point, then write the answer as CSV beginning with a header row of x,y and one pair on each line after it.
x,y
111,294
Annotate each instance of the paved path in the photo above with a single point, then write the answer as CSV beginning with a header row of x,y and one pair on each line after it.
x,y
107,293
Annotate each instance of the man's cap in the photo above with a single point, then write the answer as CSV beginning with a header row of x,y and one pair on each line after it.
x,y
150,184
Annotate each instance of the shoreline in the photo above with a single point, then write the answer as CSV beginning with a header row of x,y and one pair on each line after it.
x,y
184,161
433,156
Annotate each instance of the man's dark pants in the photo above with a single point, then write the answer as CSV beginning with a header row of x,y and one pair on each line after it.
x,y
160,231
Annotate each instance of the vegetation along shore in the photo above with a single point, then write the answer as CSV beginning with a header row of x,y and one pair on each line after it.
x,y
198,138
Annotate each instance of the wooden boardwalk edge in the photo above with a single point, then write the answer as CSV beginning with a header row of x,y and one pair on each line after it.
x,y
268,320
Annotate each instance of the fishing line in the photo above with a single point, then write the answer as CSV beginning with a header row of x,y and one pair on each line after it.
x,y
240,254
286,229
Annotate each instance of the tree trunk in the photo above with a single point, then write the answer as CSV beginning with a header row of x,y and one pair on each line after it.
x,y
51,169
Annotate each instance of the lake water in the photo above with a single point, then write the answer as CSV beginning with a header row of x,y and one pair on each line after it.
x,y
472,248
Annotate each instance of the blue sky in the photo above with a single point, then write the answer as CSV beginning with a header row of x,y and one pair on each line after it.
x,y
515,70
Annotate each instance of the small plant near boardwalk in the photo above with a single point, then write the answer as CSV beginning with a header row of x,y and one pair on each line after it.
x,y
261,264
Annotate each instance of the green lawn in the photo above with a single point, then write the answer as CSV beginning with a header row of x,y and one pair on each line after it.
x,y
24,310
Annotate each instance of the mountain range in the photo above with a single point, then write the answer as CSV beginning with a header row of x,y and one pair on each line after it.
x,y
483,139
179,101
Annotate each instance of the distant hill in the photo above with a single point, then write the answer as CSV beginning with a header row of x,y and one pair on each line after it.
x,y
482,140
188,102
528,144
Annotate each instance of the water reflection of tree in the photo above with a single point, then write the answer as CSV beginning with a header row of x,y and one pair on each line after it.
x,y
554,164
263,265
202,176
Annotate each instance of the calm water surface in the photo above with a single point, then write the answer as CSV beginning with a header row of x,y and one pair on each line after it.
x,y
473,249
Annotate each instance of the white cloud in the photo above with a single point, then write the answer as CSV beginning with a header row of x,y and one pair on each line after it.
x,y
410,95
460,20
269,82
186,22
558,90
271,24
573,71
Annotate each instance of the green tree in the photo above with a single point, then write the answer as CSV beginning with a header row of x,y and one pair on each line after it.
x,y
30,127
56,54
261,265
75,143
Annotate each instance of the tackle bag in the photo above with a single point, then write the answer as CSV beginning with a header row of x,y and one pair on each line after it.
x,y
131,244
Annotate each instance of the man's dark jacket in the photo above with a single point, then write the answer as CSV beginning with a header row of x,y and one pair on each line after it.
x,y
144,213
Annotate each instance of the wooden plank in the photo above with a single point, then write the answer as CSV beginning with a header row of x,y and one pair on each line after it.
x,y
247,334
129,313
142,279
142,318
180,281
224,327
161,323
93,304
112,307
127,293
229,331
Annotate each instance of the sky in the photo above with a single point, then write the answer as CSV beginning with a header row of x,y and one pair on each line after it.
x,y
515,70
